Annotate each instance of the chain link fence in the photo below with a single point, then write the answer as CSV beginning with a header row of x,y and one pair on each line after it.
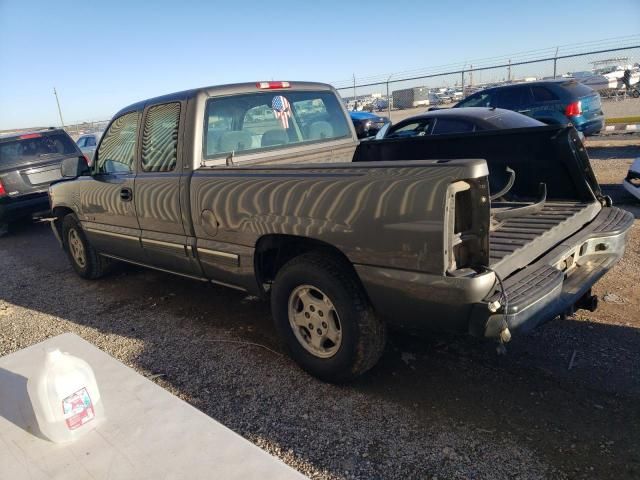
x,y
601,65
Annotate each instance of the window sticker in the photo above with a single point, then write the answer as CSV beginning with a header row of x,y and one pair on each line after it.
x,y
281,110
78,409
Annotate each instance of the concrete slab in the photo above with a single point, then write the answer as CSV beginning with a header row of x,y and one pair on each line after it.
x,y
148,432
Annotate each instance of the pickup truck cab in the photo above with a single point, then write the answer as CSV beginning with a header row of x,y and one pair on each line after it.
x,y
264,188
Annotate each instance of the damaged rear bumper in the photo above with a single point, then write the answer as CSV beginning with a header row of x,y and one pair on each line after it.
x,y
559,280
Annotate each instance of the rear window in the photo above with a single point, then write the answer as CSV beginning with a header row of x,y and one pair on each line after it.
x,y
508,119
452,125
36,148
577,89
258,121
481,99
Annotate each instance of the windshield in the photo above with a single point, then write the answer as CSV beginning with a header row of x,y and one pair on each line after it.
x,y
34,147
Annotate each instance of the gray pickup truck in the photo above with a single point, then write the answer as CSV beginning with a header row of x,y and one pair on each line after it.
x,y
264,188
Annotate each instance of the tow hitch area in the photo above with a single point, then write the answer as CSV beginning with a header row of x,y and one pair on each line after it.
x,y
587,302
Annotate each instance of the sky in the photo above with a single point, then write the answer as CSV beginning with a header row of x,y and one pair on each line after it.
x,y
102,56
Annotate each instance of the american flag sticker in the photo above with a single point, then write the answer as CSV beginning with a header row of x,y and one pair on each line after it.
x,y
281,110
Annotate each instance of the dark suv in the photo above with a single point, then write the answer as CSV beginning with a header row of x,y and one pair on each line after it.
x,y
29,162
553,102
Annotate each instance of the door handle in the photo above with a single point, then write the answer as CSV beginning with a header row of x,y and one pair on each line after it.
x,y
126,194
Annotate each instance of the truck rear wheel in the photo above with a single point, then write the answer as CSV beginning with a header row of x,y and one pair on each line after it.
x,y
325,319
84,258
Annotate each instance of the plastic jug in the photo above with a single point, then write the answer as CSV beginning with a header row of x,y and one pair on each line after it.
x,y
65,397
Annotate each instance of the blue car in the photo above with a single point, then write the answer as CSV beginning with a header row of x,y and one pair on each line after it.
x,y
367,124
550,101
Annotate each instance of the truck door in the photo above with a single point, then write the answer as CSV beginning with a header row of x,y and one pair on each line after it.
x,y
158,185
107,199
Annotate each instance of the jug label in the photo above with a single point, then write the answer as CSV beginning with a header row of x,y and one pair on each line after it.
x,y
78,409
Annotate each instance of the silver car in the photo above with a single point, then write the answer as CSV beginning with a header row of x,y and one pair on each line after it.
x,y
88,143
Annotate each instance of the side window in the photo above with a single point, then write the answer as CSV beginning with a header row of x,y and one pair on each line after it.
x,y
118,148
543,94
160,138
90,142
452,125
510,98
82,142
481,99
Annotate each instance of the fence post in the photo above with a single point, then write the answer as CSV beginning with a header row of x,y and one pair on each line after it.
x,y
389,98
462,83
555,63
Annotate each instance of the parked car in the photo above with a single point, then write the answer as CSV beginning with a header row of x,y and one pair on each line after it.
x,y
456,120
552,101
367,124
631,182
29,162
296,209
88,144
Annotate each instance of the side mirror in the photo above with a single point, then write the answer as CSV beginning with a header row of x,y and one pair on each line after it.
x,y
74,167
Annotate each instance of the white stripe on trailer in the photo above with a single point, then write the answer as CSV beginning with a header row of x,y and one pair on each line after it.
x,y
633,127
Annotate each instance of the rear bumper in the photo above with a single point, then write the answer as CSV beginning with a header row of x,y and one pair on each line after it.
x,y
555,283
541,291
591,126
20,207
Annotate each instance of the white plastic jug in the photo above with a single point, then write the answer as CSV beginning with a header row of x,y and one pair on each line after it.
x,y
65,397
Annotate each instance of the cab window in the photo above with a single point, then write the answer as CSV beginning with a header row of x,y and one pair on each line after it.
x,y
160,138
117,150
258,121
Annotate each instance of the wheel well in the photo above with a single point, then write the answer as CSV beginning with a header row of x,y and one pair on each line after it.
x,y
59,213
273,251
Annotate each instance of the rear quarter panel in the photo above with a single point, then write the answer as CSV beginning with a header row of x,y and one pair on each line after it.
x,y
384,213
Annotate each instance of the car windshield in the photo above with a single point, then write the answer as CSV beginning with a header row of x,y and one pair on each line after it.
x,y
33,147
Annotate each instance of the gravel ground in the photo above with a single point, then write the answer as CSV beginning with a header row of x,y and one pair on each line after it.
x,y
434,407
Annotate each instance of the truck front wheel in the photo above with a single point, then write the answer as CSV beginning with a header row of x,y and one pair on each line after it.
x,y
84,258
325,319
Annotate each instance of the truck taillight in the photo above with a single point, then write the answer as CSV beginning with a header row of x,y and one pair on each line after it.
x,y
272,85
3,192
573,109
466,225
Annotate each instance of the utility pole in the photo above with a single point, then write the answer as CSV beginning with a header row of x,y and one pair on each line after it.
x,y
509,71
555,62
59,110
471,75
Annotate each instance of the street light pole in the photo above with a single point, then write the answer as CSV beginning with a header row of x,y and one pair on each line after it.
x,y
59,109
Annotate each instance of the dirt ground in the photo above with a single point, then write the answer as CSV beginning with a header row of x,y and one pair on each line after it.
x,y
563,402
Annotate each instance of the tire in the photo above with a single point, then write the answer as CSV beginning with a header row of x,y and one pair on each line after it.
x,y
354,338
83,257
